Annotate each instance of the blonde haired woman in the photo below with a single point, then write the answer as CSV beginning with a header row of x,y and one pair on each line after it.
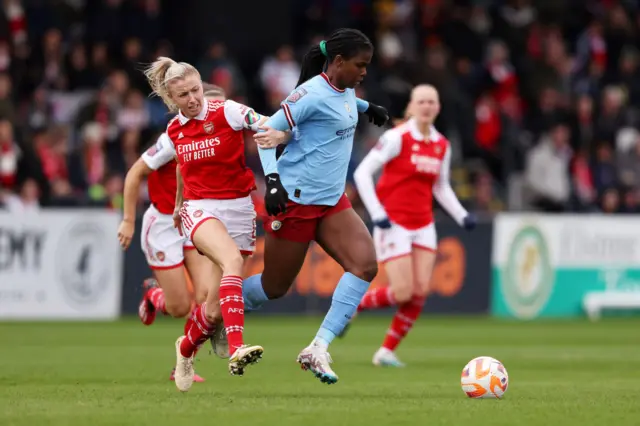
x,y
164,248
213,206
414,158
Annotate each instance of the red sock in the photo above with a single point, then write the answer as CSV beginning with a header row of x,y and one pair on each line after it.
x,y
188,323
156,296
232,306
402,322
200,329
381,297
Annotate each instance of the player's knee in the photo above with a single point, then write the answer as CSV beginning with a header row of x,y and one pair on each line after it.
x,y
421,289
402,294
366,270
179,308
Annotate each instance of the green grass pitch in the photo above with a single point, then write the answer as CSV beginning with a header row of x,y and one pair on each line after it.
x,y
561,373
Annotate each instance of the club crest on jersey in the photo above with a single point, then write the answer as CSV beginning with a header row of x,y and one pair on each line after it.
x,y
208,127
347,107
296,95
415,147
275,225
197,213
160,256
437,149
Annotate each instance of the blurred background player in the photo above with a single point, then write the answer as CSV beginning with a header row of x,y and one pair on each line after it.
x,y
415,161
208,141
164,248
305,188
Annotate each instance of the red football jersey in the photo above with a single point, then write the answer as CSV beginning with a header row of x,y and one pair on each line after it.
x,y
162,182
405,188
414,171
210,150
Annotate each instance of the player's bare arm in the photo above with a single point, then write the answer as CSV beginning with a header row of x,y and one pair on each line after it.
x,y
179,199
447,198
132,182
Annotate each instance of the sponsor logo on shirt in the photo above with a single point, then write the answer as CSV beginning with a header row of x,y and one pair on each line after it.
x,y
198,145
346,133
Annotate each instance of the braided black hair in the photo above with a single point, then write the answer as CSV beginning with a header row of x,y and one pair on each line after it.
x,y
346,42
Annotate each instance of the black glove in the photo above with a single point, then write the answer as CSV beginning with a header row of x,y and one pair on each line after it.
x,y
377,115
469,222
276,197
382,223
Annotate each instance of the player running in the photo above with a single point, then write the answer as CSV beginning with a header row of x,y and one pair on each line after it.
x,y
414,158
217,213
305,188
164,248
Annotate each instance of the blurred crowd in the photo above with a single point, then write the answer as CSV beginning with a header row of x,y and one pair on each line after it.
x,y
541,100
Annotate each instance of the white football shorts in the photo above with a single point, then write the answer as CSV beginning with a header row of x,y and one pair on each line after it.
x,y
237,215
162,244
398,241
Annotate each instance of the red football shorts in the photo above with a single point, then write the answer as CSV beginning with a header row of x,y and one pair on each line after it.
x,y
300,222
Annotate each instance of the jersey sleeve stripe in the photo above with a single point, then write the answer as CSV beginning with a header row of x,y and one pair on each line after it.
x,y
288,115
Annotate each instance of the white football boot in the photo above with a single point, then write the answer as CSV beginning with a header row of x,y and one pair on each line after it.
x,y
184,369
386,358
244,356
317,360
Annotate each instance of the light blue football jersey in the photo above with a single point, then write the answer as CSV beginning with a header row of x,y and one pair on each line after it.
x,y
313,167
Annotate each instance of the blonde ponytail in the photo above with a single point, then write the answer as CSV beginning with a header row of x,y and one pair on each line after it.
x,y
161,72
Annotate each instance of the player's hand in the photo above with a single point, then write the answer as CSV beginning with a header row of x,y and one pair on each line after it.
x,y
382,223
271,138
377,115
470,222
276,197
125,233
177,220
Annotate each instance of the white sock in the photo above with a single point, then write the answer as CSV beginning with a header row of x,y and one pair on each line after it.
x,y
320,343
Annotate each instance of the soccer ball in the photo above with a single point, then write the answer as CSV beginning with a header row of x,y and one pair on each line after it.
x,y
484,377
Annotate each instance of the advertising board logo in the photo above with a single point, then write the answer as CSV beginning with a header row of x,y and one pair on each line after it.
x,y
81,263
528,277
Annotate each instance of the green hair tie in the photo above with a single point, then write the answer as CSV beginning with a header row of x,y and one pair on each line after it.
x,y
323,48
